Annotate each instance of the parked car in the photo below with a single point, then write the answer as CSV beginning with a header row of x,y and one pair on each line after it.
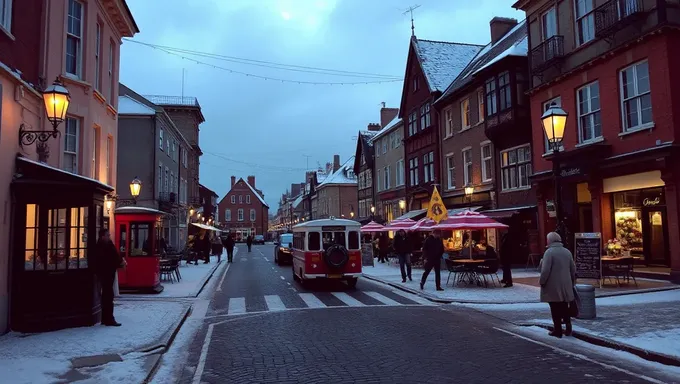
x,y
258,239
283,250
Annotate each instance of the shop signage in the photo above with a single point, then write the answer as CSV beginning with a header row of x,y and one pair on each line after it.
x,y
647,202
588,255
367,254
550,208
570,172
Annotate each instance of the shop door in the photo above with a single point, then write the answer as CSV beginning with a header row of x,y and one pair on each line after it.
x,y
655,236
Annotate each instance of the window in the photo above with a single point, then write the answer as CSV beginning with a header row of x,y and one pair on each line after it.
x,y
549,24
6,14
384,146
32,261
636,99
174,150
167,147
71,141
400,172
546,105
112,54
398,138
449,122
160,179
491,105
240,199
450,171
504,90
252,215
465,113
240,214
413,123
467,166
425,116
94,172
588,108
428,167
233,199
480,101
369,178
74,35
247,199
387,177
109,153
487,161
380,185
166,180
415,83
160,139
413,171
516,168
585,21
97,58
392,144
66,239
227,215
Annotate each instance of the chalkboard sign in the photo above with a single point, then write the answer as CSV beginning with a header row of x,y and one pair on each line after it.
x,y
367,254
588,255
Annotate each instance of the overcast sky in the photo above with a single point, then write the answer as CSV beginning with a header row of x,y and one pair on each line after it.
x,y
268,126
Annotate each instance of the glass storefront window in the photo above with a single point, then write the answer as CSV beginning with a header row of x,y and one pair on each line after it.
x,y
122,239
56,239
32,260
632,220
139,239
78,238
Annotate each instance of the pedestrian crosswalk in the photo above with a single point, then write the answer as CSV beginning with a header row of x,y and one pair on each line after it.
x,y
305,300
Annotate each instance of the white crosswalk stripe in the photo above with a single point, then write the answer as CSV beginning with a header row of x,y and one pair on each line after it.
x,y
412,297
274,303
311,300
347,299
382,298
237,305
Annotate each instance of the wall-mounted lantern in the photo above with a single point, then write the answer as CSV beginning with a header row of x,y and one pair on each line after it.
x,y
56,99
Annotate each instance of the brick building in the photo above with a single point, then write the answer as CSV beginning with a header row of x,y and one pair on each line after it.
x,y
208,203
336,195
243,210
613,70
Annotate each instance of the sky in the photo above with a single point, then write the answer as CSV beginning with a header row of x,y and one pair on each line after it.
x,y
271,129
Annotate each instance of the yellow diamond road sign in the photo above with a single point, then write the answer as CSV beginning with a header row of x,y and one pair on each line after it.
x,y
437,210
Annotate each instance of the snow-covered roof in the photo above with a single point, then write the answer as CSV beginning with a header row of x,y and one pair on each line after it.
x,y
344,175
368,136
129,106
135,209
326,222
442,61
259,197
388,128
185,101
297,201
519,49
26,159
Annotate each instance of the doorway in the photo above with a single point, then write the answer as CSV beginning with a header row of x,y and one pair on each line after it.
x,y
585,215
655,236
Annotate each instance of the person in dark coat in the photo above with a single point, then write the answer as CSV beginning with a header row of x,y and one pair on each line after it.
x,y
229,245
506,259
207,247
249,242
433,250
402,247
107,262
382,247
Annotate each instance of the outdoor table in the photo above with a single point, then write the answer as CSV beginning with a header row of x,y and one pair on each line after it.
x,y
469,273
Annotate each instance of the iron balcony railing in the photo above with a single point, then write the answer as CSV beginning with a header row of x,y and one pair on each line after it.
x,y
547,53
616,14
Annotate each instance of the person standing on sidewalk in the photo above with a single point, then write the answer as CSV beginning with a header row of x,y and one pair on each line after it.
x,y
249,242
107,262
229,245
207,247
383,247
402,247
558,276
506,259
433,250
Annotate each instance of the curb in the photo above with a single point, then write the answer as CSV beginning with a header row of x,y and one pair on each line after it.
x,y
608,343
439,300
165,345
207,279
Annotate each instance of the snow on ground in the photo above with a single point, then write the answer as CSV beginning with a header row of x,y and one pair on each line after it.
x,y
642,298
32,358
130,370
193,278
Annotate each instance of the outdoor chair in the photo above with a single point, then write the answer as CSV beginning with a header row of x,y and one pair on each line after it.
x,y
453,269
167,273
489,268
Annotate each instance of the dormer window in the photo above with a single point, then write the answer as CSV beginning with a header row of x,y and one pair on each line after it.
x,y
415,83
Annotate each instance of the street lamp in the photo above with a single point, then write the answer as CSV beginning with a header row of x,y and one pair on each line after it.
x,y
108,204
402,205
56,99
191,211
469,190
135,188
554,121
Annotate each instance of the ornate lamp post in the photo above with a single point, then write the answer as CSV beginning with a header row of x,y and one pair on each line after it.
x,y
56,98
468,193
372,211
554,121
135,190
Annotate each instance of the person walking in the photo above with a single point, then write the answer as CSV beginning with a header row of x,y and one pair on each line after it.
x,y
249,242
558,276
207,247
402,247
433,250
229,245
107,263
383,247
506,259
219,248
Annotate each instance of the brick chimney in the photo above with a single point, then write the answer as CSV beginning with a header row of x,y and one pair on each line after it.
x,y
251,181
374,127
387,115
500,26
336,162
233,181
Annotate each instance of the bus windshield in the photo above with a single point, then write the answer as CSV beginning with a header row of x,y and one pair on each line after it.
x,y
333,238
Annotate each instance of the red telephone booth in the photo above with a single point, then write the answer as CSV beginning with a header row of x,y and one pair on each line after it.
x,y
137,237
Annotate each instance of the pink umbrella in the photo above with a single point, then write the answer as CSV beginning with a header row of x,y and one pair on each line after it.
x,y
398,224
468,220
372,227
425,224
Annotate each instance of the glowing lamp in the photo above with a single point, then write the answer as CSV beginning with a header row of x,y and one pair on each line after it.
x,y
57,99
554,121
135,188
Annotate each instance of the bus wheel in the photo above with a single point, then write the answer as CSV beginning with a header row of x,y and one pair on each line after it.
x,y
352,283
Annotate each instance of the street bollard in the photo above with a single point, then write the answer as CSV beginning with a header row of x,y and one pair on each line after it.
x,y
586,293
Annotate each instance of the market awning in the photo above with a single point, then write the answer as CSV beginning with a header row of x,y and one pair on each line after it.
x,y
504,213
412,214
207,227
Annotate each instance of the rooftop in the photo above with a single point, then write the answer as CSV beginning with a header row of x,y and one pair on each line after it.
x,y
184,101
344,175
129,106
442,61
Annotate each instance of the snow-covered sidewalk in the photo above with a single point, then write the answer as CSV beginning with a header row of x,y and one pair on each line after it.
x,y
63,356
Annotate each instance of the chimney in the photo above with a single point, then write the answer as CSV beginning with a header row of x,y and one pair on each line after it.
x,y
251,181
500,26
387,115
336,162
374,127
233,181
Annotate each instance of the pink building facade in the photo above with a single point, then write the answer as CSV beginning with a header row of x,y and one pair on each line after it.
x,y
52,192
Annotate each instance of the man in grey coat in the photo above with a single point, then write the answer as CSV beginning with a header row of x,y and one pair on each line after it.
x,y
558,276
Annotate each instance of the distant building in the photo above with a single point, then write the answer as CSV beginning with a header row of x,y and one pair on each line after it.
x,y
336,195
208,203
243,211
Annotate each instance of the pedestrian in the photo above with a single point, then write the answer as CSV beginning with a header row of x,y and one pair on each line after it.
x,y
383,247
219,247
249,242
558,276
106,265
229,245
207,247
433,250
402,247
506,259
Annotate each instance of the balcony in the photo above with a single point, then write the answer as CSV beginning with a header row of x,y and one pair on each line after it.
x,y
548,53
167,197
511,125
615,15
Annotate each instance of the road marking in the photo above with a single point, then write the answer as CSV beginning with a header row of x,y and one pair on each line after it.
x,y
244,259
283,278
580,356
274,303
237,305
219,285
273,268
311,300
382,298
347,299
412,297
204,355
262,254
265,259
288,283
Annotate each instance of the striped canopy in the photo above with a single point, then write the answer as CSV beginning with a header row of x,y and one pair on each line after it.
x,y
468,220
397,224
425,224
372,227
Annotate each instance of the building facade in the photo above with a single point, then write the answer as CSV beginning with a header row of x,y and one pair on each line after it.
x,y
612,70
390,171
430,68
208,203
336,195
78,44
363,167
243,210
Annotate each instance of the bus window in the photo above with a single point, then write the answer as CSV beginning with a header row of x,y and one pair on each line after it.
x,y
333,238
314,241
353,240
